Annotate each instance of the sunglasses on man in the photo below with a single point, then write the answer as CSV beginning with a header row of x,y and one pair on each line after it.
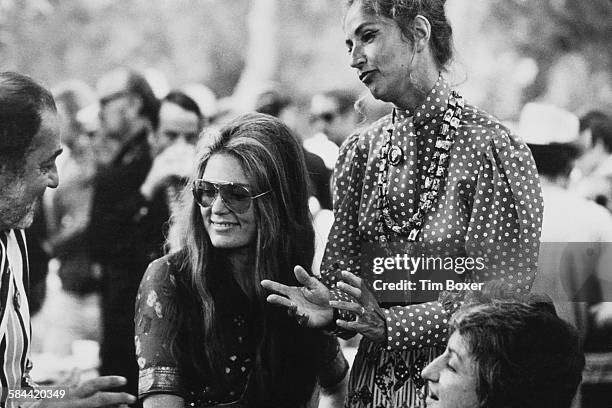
x,y
237,197
327,117
105,100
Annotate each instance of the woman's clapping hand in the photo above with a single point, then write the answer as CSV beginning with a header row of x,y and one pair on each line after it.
x,y
309,303
370,321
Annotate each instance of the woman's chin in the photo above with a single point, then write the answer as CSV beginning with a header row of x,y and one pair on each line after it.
x,y
378,93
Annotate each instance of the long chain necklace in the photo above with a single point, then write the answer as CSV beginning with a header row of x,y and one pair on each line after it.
x,y
436,173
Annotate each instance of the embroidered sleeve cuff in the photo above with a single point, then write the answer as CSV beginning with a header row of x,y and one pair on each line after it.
x,y
155,380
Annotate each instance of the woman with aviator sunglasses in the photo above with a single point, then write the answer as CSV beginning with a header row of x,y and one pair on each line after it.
x,y
205,335
235,196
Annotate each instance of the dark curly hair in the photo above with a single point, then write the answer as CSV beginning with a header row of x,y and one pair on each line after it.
x,y
526,356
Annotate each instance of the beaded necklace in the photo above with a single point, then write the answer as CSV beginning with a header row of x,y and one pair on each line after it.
x,y
435,173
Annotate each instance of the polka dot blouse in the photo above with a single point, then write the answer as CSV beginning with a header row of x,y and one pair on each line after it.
x,y
490,204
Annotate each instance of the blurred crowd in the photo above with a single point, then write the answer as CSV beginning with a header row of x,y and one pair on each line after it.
x,y
130,144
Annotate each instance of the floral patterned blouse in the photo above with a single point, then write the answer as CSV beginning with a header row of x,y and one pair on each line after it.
x,y
160,372
489,200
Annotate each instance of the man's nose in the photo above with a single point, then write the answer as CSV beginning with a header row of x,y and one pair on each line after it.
x,y
53,181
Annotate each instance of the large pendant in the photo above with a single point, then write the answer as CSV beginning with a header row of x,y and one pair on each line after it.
x,y
395,155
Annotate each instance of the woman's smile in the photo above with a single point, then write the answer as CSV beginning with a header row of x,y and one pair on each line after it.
x,y
223,225
226,228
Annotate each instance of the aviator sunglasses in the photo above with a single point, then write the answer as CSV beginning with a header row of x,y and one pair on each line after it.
x,y
235,196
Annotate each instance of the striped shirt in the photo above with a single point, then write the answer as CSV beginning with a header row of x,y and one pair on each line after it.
x,y
15,328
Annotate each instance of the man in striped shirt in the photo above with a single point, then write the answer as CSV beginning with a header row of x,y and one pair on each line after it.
x,y
29,145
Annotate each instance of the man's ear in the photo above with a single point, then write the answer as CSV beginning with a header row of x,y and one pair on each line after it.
x,y
422,32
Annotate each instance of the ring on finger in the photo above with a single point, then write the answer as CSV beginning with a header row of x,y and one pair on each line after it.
x,y
292,310
302,319
362,311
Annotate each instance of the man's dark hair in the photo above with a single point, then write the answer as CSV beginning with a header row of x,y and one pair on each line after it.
x,y
272,102
526,356
22,103
600,125
555,159
587,120
345,99
138,85
184,101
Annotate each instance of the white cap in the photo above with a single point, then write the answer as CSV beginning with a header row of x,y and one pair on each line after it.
x,y
203,96
157,81
542,124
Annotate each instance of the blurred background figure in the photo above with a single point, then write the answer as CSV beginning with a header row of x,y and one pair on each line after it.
x,y
38,259
205,98
592,177
126,225
273,102
67,211
333,118
576,250
173,144
180,122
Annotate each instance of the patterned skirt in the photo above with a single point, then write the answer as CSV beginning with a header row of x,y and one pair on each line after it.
x,y
383,379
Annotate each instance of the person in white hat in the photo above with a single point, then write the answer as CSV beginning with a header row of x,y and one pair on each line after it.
x,y
575,253
592,177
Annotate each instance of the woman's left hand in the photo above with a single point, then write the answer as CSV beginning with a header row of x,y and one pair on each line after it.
x,y
370,320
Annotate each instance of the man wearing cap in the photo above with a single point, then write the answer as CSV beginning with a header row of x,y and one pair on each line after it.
x,y
29,145
575,254
593,177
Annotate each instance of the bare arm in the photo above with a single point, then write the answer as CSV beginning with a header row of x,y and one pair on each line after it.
x,y
333,397
163,401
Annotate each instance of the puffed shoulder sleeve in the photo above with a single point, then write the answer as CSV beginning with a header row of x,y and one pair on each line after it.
x,y
506,218
504,229
343,246
155,311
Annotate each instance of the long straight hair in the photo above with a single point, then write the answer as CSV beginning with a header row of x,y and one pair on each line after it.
x,y
272,159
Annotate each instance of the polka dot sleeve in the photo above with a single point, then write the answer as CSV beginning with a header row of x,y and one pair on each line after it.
x,y
504,228
416,326
343,248
505,223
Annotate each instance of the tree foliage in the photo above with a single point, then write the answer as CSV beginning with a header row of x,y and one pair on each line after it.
x,y
550,30
208,41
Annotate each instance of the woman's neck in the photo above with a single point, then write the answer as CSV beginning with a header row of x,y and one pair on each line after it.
x,y
423,82
239,263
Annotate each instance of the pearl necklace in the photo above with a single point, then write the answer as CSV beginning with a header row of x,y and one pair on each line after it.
x,y
436,173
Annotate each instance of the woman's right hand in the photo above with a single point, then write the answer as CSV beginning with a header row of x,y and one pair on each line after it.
x,y
308,303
